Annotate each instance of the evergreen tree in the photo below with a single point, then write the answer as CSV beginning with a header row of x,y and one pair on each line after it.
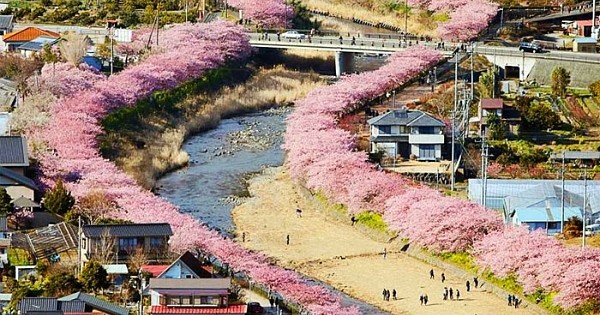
x,y
6,206
93,277
561,78
59,199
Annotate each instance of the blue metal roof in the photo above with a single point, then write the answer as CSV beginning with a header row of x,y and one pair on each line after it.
x,y
93,62
542,214
585,40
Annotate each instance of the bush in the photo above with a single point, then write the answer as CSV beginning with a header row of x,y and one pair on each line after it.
x,y
373,221
59,199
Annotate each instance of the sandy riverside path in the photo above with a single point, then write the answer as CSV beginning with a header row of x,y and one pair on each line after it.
x,y
317,243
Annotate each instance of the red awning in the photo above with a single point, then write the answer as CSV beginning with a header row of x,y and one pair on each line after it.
x,y
230,310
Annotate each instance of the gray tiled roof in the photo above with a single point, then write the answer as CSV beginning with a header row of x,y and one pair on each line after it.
x,y
403,117
576,155
20,179
38,304
3,225
6,21
74,306
96,303
13,151
128,230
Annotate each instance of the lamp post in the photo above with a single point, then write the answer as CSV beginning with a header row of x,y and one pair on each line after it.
x,y
584,202
405,18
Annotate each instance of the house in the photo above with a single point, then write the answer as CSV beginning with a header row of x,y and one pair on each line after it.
x,y
76,304
15,39
36,45
407,134
186,267
14,161
581,28
585,44
538,202
506,113
117,274
119,241
7,22
192,296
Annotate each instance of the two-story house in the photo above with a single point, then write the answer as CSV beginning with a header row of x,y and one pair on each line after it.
x,y
507,114
407,133
117,242
187,286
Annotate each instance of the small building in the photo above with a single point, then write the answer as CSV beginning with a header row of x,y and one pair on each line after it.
x,y
581,28
36,45
117,274
407,134
585,44
14,161
8,96
119,241
507,114
7,22
543,218
77,303
15,39
186,267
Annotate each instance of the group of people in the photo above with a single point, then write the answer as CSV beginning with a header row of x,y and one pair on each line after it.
x,y
449,294
424,299
514,301
386,294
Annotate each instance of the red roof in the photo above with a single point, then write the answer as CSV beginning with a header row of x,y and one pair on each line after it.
x,y
491,103
230,310
28,34
155,270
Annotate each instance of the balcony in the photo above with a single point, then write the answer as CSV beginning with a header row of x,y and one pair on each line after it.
x,y
425,139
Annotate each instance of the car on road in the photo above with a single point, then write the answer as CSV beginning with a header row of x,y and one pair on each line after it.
x,y
255,308
530,47
293,35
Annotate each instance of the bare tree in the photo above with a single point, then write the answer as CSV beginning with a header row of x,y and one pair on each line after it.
x,y
138,259
73,48
105,248
95,206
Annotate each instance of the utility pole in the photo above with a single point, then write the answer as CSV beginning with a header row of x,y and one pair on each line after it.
x,y
594,32
186,11
483,167
453,117
79,245
405,19
584,202
112,50
472,75
562,196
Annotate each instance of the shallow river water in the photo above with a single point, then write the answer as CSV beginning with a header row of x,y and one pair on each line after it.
x,y
220,160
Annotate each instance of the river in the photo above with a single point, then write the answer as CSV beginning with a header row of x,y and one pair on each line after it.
x,y
221,159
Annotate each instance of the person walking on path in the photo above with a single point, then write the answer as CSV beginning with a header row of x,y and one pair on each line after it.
x,y
421,298
243,237
443,277
431,274
384,293
425,299
394,294
457,295
298,212
271,301
451,294
384,252
468,286
510,300
476,282
287,240
445,294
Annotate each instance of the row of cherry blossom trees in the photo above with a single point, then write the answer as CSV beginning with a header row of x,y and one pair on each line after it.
x,y
82,98
266,13
323,157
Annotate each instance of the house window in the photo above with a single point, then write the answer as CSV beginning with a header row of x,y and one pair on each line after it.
x,y
197,300
426,130
162,300
427,151
128,245
402,129
385,130
186,300
156,242
205,299
83,243
189,276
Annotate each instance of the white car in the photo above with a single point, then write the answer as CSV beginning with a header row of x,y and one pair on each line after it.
x,y
293,35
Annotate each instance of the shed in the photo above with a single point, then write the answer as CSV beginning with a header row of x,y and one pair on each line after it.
x,y
585,44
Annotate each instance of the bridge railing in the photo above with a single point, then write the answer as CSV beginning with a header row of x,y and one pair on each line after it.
x,y
565,57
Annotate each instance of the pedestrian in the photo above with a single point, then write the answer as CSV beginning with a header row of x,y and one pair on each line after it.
x,y
384,293
425,299
387,295
451,294
287,240
443,277
384,252
278,36
341,40
394,294
271,301
516,302
431,275
457,295
298,212
510,298
476,282
421,298
353,41
353,219
468,286
445,294
243,237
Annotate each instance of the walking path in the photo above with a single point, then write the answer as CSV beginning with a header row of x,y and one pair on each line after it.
x,y
341,256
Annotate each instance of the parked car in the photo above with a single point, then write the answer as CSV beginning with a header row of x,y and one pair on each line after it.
x,y
293,35
255,308
530,47
592,229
